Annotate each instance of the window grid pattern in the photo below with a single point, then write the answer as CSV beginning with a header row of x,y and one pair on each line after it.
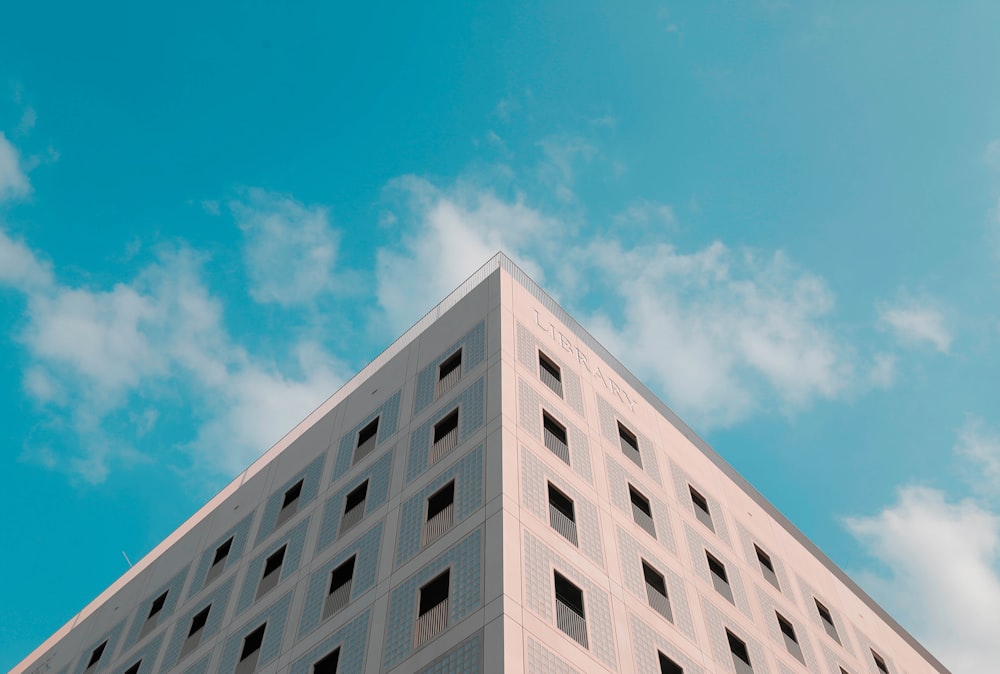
x,y
388,422
646,641
111,637
147,654
682,483
367,549
527,354
697,544
716,623
768,608
618,481
352,639
632,553
529,414
173,589
310,476
543,661
466,657
465,595
219,601
608,420
275,616
535,476
378,475
471,417
468,476
295,540
539,562
240,535
473,346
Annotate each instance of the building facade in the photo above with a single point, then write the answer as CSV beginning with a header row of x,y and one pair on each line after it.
x,y
493,493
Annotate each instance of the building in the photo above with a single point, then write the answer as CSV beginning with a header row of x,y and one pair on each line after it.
x,y
494,492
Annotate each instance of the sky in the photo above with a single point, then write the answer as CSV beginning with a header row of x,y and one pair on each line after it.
x,y
783,217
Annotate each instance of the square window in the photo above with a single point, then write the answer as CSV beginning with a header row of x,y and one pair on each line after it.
x,y
701,510
440,513
642,513
432,616
199,621
668,666
434,593
367,438
788,633
656,591
339,595
328,663
445,436
290,503
629,444
570,615
741,657
449,372
767,567
354,507
827,618
880,662
562,515
555,437
157,605
272,572
550,373
720,580
251,650
219,561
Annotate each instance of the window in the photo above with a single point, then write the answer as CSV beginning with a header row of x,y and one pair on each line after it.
x,y
154,610
824,614
791,641
555,437
701,510
339,594
449,372
562,516
550,374
668,666
445,436
570,616
272,572
290,503
367,437
642,514
880,662
656,591
719,578
741,658
193,638
766,567
95,656
440,513
432,616
251,650
134,669
219,561
328,663
630,444
354,507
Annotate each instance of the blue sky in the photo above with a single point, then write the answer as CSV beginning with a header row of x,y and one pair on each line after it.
x,y
784,217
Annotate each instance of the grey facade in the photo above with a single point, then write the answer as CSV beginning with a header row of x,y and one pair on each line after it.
x,y
493,493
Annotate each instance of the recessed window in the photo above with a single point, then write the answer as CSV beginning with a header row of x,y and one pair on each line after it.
x,y
290,503
570,615
827,618
791,640
193,638
550,373
432,615
720,579
449,372
328,663
354,507
96,654
701,510
339,594
562,515
367,437
445,436
656,591
219,560
251,650
642,513
154,611
555,437
880,662
134,669
272,571
767,567
668,666
630,444
440,513
741,657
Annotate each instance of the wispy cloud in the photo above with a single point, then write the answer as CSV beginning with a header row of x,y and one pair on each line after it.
x,y
917,322
13,180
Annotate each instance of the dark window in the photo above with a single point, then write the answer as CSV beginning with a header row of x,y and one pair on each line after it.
x,y
445,426
434,593
134,669
550,374
450,364
639,501
292,495
222,552
555,437
366,440
96,655
356,497
570,615
342,575
157,605
741,658
844,671
561,502
199,621
630,444
656,591
668,666
339,594
880,663
554,427
701,510
827,618
569,594
720,580
767,567
327,664
562,515
440,500
791,641
273,562
252,642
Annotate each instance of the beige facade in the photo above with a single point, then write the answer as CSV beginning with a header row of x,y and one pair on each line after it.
x,y
493,493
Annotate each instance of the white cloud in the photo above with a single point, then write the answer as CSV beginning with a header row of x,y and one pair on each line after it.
x,y
13,181
645,213
942,559
883,370
560,158
290,249
20,267
917,322
979,447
